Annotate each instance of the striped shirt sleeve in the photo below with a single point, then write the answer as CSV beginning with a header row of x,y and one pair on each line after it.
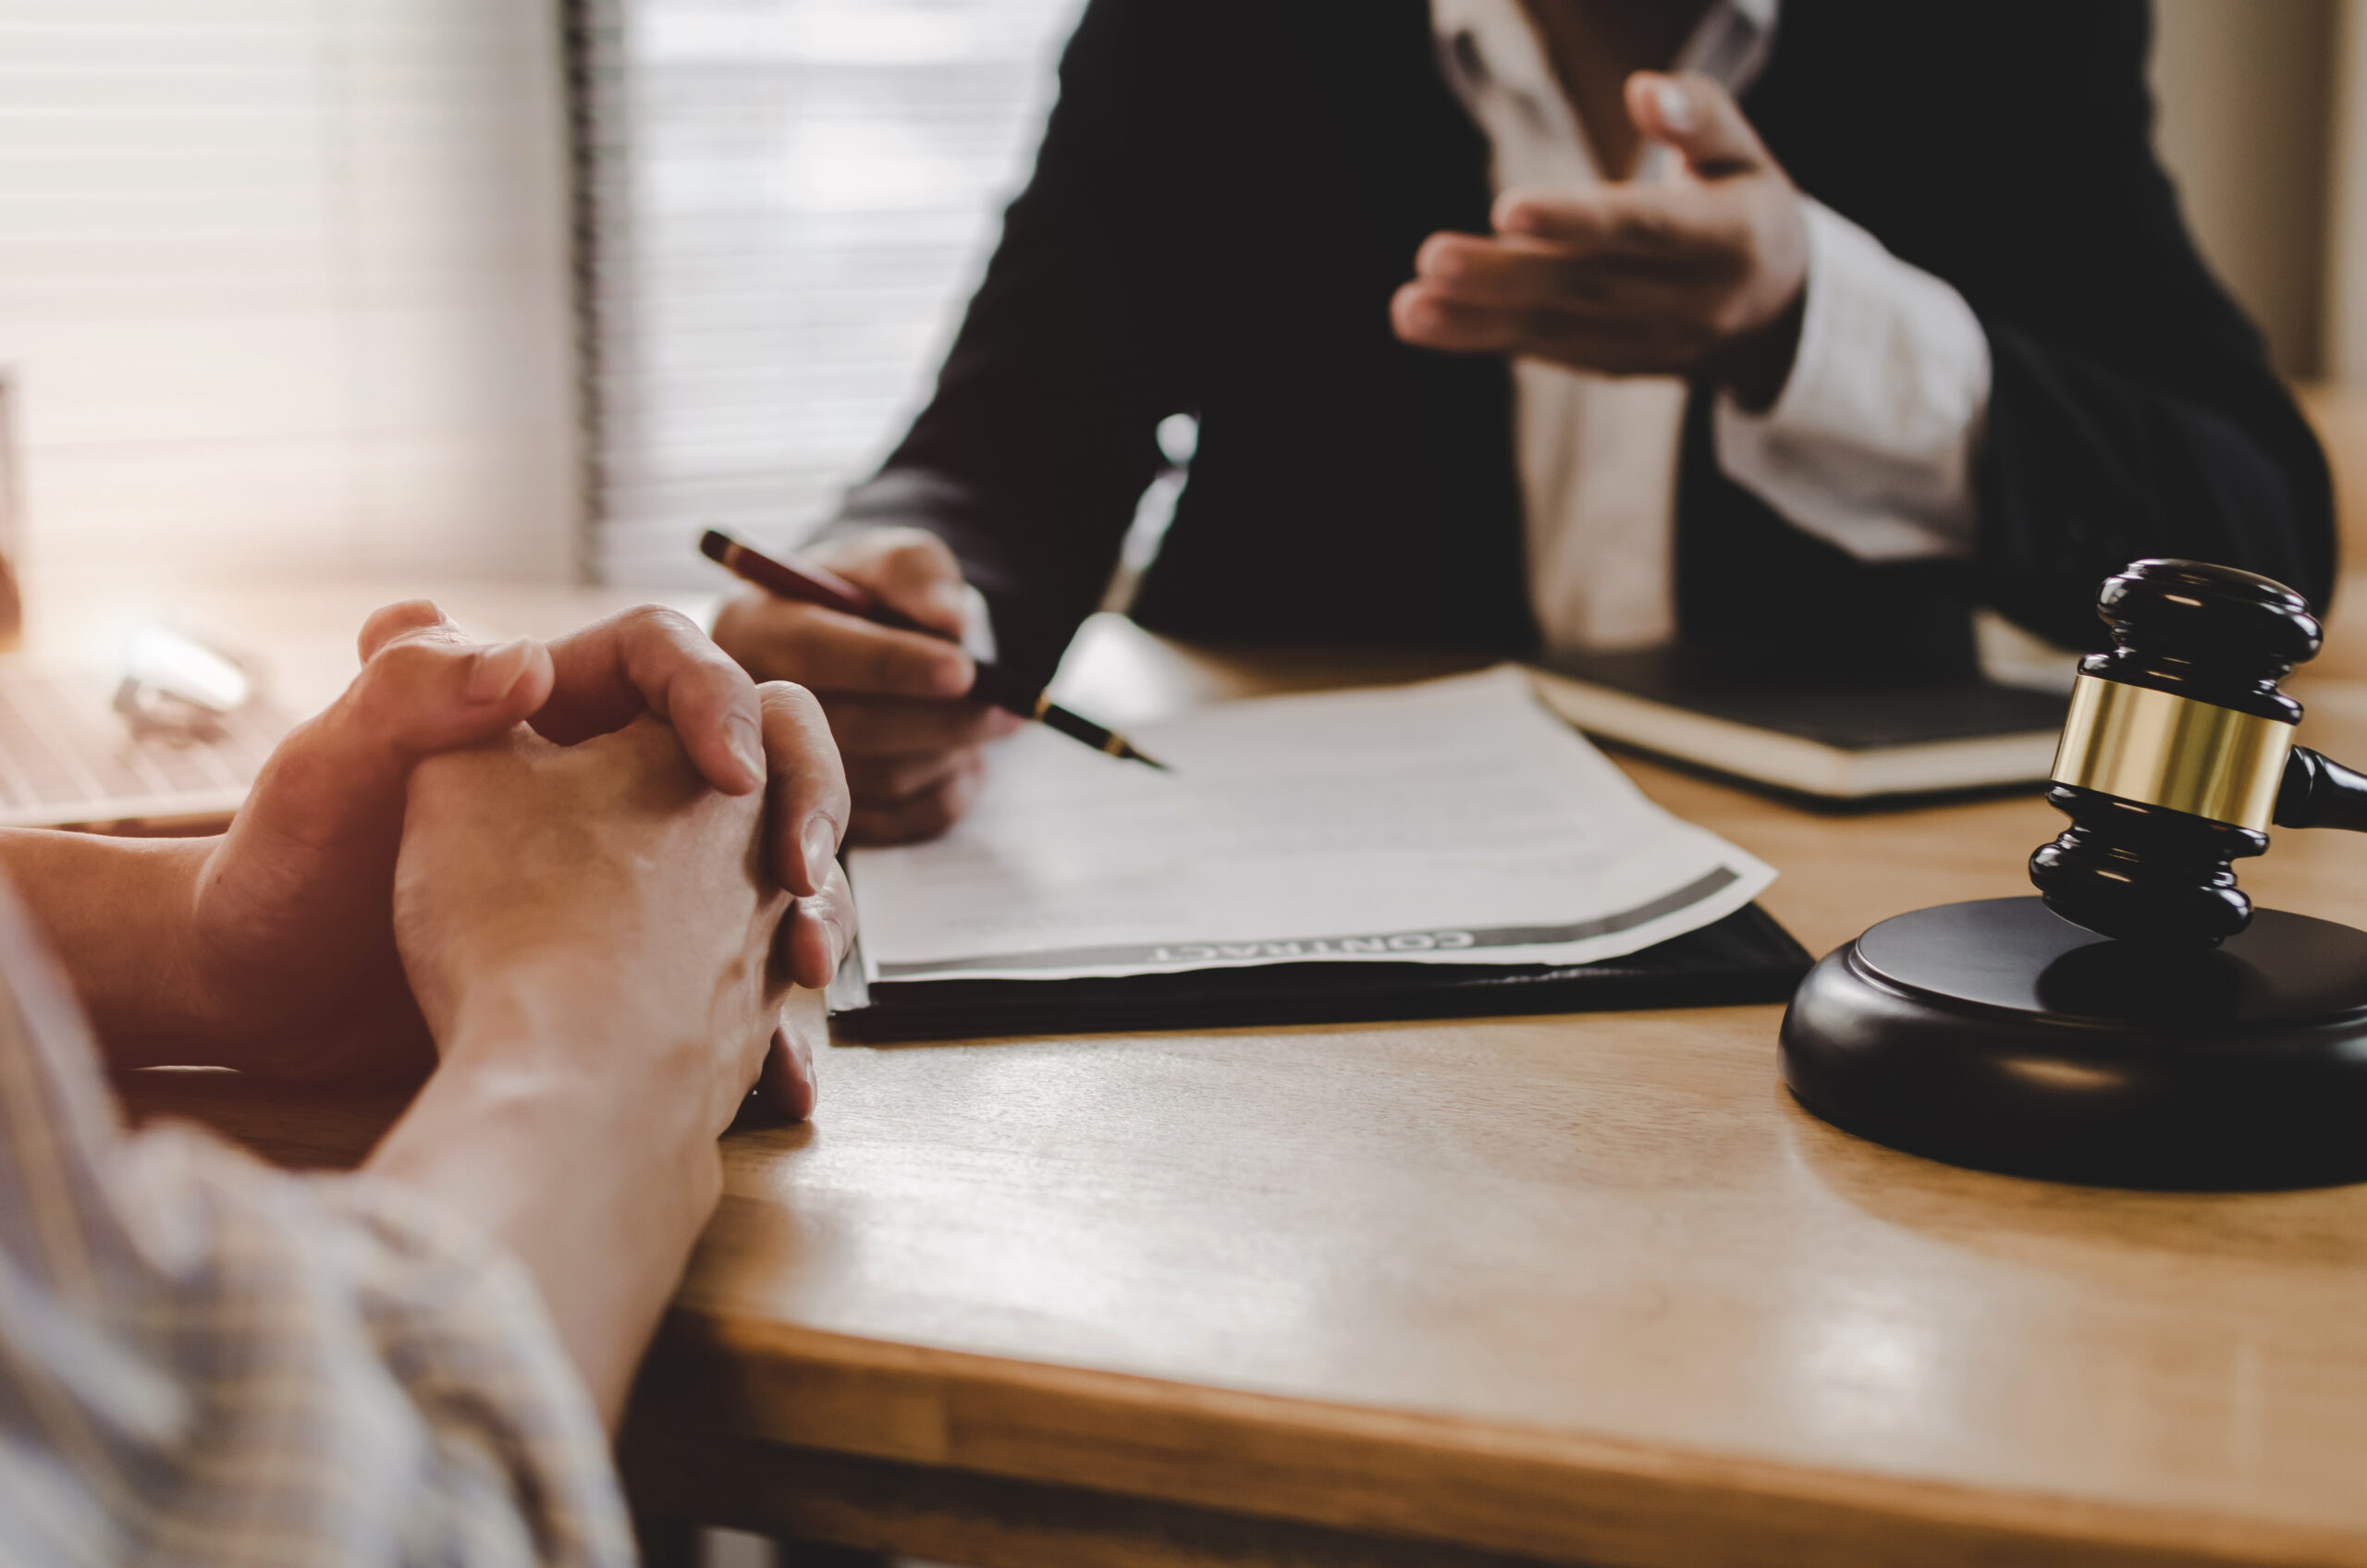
x,y
206,1361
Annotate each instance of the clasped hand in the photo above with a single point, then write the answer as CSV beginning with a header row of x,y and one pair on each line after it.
x,y
1704,277
289,966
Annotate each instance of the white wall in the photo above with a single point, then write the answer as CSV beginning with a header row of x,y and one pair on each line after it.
x,y
2345,261
2245,90
283,285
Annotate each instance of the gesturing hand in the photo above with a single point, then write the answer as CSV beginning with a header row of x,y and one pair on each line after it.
x,y
290,957
1702,276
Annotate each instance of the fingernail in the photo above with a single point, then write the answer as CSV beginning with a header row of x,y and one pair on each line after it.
x,y
498,670
821,844
951,601
1002,721
1674,103
835,937
747,749
951,678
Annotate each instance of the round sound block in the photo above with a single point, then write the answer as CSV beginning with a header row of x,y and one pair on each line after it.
x,y
2000,1036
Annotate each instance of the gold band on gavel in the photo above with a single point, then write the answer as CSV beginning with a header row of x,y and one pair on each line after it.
x,y
2162,749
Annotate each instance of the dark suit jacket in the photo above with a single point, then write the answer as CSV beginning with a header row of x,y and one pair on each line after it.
x,y
1229,190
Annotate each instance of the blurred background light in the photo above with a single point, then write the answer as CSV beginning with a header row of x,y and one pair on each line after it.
x,y
791,200
529,288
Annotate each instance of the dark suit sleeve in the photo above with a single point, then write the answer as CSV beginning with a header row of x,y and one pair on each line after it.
x,y
1040,440
2133,411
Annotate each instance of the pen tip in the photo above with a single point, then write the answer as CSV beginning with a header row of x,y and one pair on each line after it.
x,y
1148,761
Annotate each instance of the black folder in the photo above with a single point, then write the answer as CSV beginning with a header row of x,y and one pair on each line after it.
x,y
1745,957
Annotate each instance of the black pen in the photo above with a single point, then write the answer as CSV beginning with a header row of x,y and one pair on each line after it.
x,y
995,685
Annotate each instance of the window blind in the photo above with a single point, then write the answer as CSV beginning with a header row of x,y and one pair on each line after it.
x,y
787,203
283,285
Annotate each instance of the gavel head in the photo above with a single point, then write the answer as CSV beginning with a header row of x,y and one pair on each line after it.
x,y
2173,752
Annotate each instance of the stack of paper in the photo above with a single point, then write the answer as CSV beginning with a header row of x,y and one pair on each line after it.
x,y
1450,822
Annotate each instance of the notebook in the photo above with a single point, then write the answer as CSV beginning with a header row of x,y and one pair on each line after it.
x,y
1444,848
1832,743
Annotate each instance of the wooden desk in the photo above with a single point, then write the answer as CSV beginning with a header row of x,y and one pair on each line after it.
x,y
1587,1287
1584,1289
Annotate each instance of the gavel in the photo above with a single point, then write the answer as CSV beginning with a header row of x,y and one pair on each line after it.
x,y
2178,756
2139,1024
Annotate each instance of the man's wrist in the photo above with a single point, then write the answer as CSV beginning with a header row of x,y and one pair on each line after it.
x,y
557,1052
1753,372
121,913
596,1174
560,1016
204,1017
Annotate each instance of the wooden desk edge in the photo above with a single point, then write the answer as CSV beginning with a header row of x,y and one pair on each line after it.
x,y
1555,1495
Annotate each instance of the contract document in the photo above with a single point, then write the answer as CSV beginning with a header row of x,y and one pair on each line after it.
x,y
1454,821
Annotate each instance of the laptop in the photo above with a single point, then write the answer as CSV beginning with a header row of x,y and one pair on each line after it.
x,y
165,739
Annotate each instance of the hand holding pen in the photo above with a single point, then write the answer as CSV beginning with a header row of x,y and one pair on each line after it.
x,y
908,708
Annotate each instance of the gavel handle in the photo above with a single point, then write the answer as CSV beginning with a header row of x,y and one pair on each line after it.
x,y
2321,792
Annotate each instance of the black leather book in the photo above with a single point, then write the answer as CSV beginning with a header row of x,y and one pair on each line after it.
x,y
1854,744
1747,957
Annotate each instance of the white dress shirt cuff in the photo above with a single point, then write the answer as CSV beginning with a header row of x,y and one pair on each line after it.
x,y
1871,444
